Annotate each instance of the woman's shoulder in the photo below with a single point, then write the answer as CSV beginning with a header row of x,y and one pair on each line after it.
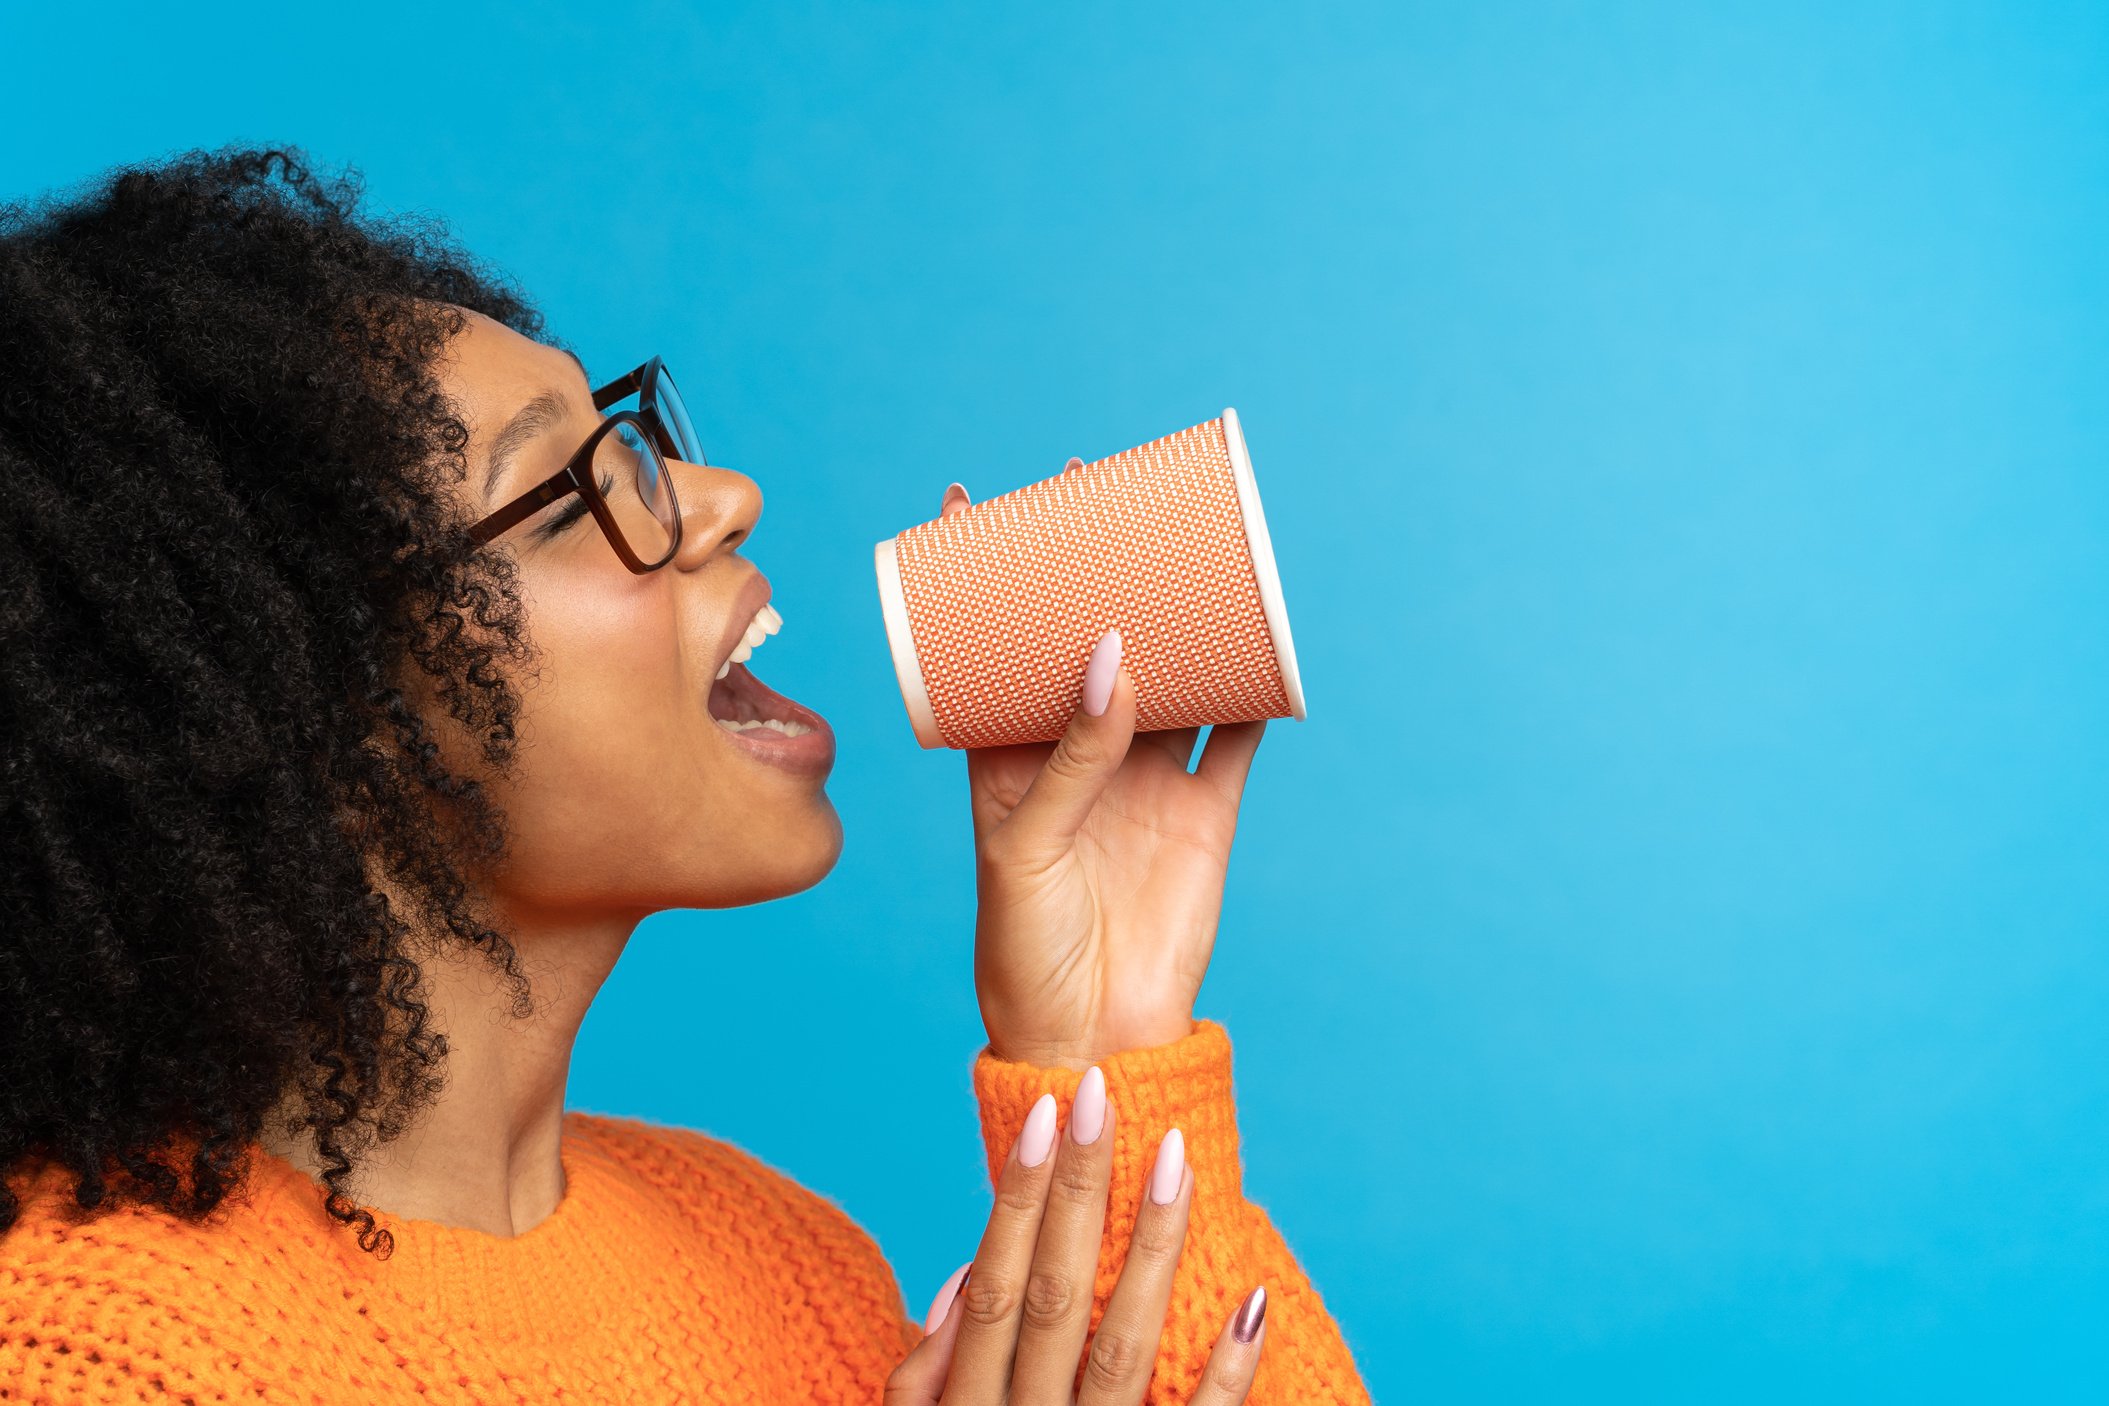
x,y
705,1173
131,1293
702,1174
52,1226
823,1256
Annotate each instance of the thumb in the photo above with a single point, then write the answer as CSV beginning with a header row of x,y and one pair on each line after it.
x,y
1084,760
920,1379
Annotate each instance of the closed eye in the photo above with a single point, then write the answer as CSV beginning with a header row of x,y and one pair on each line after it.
x,y
572,511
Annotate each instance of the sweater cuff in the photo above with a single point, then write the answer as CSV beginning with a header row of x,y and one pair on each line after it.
x,y
1184,1085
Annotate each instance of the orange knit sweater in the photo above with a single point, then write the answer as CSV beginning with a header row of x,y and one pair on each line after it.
x,y
676,1268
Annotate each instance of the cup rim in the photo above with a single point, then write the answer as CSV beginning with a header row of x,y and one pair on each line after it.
x,y
900,639
1272,605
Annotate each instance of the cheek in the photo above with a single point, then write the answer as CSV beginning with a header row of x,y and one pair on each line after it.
x,y
610,650
608,721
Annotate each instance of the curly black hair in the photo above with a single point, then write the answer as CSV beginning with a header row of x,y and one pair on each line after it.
x,y
225,540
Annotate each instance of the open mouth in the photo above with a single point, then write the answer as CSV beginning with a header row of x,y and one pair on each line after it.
x,y
758,718
743,703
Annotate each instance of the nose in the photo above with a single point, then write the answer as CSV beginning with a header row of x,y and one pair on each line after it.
x,y
719,508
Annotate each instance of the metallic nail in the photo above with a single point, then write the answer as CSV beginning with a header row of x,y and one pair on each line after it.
x,y
1246,1325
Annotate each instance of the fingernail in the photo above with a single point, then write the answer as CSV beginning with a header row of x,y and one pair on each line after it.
x,y
1087,1115
1037,1136
1170,1168
946,1293
1074,463
1098,674
955,490
1251,1313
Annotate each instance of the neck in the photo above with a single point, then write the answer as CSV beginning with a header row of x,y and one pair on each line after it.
x,y
485,1154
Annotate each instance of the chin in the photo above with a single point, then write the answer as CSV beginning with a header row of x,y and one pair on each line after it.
x,y
825,849
801,860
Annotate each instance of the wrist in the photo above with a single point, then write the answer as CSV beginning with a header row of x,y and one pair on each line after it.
x,y
1081,1052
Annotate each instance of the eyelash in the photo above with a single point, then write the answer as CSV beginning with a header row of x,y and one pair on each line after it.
x,y
575,510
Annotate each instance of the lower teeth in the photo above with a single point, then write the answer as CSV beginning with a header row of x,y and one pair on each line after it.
x,y
788,729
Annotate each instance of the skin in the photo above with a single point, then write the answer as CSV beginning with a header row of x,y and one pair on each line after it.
x,y
1100,860
1041,1248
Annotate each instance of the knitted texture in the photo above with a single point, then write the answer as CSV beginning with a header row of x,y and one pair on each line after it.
x,y
1005,599
676,1268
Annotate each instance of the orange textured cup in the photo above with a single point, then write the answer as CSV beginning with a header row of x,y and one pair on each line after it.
x,y
992,612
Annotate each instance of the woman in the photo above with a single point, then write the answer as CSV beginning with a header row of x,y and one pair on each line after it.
x,y
343,753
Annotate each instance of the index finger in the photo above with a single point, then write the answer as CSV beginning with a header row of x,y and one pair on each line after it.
x,y
990,1304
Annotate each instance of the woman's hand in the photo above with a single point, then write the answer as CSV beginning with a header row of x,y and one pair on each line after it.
x,y
1013,1330
1100,865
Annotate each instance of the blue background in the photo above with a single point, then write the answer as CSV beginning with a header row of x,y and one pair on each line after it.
x,y
1667,964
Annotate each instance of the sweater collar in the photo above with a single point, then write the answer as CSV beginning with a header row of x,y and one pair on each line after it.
x,y
583,1251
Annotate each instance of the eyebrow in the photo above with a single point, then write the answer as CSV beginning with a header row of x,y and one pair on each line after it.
x,y
545,411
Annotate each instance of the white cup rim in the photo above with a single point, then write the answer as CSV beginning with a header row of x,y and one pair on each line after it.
x,y
907,669
1271,603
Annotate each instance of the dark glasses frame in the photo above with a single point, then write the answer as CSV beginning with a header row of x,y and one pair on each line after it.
x,y
576,476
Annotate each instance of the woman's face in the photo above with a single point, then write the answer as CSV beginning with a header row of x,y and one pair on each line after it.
x,y
629,796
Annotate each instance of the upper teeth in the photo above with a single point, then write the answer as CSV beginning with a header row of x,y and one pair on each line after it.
x,y
765,623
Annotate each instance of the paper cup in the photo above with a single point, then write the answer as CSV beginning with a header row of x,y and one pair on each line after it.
x,y
991,613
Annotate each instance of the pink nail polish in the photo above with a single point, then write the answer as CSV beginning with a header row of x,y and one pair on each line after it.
x,y
955,490
1037,1136
1170,1169
1251,1313
1098,674
1087,1115
941,1303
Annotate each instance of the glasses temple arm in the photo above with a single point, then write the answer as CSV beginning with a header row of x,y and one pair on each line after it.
x,y
615,390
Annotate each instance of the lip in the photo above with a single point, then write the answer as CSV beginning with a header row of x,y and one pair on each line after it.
x,y
813,753
752,597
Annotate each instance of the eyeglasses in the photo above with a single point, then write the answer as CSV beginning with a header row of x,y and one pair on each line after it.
x,y
621,472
